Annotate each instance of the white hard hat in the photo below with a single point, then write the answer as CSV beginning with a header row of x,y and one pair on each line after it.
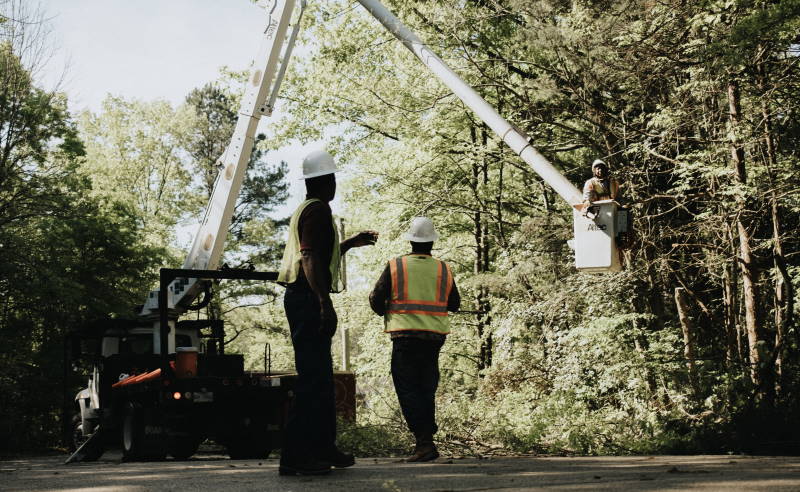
x,y
422,231
599,162
318,163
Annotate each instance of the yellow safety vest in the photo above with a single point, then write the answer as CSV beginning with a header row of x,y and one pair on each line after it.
x,y
421,286
290,264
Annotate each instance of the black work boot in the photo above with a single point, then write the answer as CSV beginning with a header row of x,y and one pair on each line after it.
x,y
338,459
425,450
303,467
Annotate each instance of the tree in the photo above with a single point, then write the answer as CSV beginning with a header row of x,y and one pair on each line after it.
x,y
66,256
134,154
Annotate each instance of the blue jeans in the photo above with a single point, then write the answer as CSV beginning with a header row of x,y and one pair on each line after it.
x,y
415,372
311,426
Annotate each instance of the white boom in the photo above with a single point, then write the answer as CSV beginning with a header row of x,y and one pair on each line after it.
x,y
258,101
515,139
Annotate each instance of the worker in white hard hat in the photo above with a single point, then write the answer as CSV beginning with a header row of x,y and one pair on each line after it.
x,y
601,186
310,272
414,294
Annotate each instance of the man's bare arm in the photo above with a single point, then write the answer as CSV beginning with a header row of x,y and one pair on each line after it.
x,y
363,238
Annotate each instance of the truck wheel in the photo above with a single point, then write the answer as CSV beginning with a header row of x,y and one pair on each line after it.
x,y
91,452
183,447
132,435
246,449
77,438
136,445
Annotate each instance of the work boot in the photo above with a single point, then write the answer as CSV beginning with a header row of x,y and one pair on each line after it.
x,y
306,467
425,450
338,459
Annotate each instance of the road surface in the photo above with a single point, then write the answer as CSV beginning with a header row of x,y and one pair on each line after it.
x,y
215,472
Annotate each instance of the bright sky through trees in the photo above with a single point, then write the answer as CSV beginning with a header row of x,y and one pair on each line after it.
x,y
154,49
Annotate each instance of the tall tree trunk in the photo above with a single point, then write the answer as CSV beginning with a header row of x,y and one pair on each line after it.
x,y
480,234
688,336
732,294
747,265
783,288
733,349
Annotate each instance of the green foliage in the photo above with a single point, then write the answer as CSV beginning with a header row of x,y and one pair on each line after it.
x,y
134,155
542,359
373,440
66,255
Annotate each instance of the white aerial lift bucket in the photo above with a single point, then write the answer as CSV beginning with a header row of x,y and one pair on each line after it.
x,y
595,242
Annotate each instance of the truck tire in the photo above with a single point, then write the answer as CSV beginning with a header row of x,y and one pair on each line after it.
x,y
136,444
183,447
91,452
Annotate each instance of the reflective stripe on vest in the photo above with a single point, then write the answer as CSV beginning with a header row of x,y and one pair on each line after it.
x,y
421,286
290,264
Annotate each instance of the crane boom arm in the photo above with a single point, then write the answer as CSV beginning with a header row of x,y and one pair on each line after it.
x,y
258,101
519,142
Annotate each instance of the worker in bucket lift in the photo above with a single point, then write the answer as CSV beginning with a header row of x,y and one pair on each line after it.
x,y
414,294
310,272
601,186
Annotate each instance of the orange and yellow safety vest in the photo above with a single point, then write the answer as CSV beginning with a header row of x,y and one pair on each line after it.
x,y
421,286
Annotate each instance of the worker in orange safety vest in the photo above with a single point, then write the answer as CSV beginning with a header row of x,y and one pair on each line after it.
x,y
414,294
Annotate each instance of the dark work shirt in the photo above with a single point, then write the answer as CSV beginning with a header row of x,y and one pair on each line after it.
x,y
315,231
382,293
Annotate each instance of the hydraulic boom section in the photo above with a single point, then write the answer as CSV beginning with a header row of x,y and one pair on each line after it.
x,y
266,76
519,142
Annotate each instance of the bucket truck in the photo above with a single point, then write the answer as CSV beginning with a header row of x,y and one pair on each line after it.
x,y
150,388
155,387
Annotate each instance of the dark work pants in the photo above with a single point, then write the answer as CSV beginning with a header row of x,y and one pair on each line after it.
x,y
311,426
415,372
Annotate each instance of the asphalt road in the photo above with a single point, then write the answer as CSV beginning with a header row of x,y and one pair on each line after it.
x,y
212,472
